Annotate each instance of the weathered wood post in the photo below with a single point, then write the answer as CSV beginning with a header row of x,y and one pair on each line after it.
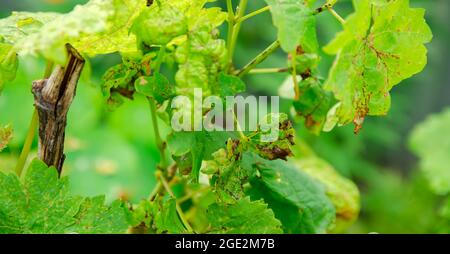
x,y
52,99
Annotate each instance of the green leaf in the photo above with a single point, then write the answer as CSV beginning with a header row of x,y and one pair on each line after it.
x,y
429,140
341,191
97,27
167,219
116,37
8,64
156,86
243,217
298,201
201,145
141,214
42,204
230,85
6,134
21,24
381,45
160,24
202,56
296,24
313,104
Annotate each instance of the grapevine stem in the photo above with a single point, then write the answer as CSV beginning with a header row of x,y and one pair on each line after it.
x,y
329,7
258,59
28,142
251,15
268,70
160,58
31,130
239,129
237,27
159,141
231,20
155,191
294,76
179,210
337,16
324,7
151,101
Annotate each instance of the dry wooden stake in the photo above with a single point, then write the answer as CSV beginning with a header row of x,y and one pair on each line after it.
x,y
52,98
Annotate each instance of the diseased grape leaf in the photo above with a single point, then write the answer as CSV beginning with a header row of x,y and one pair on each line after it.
x,y
201,145
42,203
298,201
341,191
430,140
381,45
227,175
296,24
6,134
156,86
119,80
313,104
271,144
141,214
243,217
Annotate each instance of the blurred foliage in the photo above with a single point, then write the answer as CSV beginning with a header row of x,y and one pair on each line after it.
x,y
396,196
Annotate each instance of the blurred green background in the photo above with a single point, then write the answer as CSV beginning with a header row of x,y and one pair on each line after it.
x,y
114,153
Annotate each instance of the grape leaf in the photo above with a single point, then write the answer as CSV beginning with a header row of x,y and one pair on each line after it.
x,y
296,24
97,27
230,85
141,214
280,145
41,203
201,56
313,104
160,24
116,37
201,145
342,192
8,64
21,24
6,134
381,45
156,86
298,201
430,141
228,177
243,217
119,80
167,220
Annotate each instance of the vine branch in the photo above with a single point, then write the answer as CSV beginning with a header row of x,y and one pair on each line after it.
x,y
31,129
259,59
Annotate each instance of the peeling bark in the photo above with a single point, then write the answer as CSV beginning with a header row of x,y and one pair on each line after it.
x,y
52,99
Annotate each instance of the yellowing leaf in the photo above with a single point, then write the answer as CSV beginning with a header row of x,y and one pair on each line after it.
x,y
381,45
